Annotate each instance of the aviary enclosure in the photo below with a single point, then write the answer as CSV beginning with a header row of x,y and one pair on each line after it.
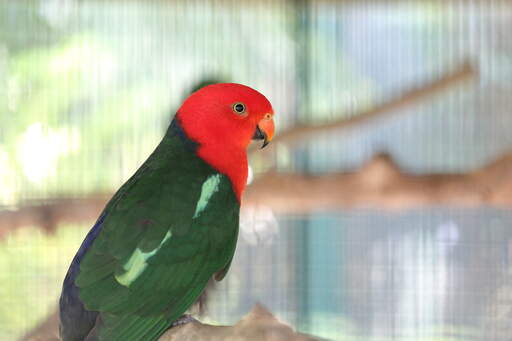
x,y
381,212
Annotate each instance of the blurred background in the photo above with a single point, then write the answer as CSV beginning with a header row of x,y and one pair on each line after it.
x,y
384,210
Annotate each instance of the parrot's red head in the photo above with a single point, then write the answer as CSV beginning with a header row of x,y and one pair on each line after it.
x,y
223,119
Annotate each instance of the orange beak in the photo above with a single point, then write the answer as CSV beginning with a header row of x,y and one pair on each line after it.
x,y
265,130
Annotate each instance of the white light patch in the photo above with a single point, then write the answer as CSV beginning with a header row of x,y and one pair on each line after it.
x,y
210,186
137,263
250,175
39,150
258,224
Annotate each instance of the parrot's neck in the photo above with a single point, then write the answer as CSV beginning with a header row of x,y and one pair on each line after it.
x,y
228,160
232,163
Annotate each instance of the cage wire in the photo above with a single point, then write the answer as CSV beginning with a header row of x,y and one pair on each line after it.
x,y
87,89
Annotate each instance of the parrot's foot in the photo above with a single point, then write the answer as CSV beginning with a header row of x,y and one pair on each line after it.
x,y
183,320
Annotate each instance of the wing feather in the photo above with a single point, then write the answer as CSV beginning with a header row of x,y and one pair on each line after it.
x,y
155,252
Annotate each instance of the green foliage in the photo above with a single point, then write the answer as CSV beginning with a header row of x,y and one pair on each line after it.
x,y
32,267
66,110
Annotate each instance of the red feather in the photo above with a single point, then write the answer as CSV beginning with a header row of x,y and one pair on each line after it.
x,y
223,135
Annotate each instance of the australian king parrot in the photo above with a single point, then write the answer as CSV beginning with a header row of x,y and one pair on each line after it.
x,y
171,227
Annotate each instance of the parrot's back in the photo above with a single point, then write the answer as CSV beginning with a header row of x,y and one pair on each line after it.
x,y
164,234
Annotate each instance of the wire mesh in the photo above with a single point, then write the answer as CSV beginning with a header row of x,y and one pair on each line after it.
x,y
87,89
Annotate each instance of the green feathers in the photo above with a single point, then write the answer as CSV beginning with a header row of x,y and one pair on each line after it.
x,y
210,186
136,264
166,232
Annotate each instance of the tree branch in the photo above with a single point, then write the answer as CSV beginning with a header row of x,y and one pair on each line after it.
x,y
48,214
464,73
380,184
258,325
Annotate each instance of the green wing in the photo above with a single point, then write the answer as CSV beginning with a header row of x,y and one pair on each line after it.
x,y
166,232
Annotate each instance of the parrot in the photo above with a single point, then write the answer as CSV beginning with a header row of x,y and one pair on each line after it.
x,y
171,227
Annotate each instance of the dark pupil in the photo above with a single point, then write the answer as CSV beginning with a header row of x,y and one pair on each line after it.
x,y
239,107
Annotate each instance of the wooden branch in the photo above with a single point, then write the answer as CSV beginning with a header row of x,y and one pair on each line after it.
x,y
380,184
258,325
464,73
52,212
47,330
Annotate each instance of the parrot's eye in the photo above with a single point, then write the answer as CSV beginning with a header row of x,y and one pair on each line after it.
x,y
239,108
